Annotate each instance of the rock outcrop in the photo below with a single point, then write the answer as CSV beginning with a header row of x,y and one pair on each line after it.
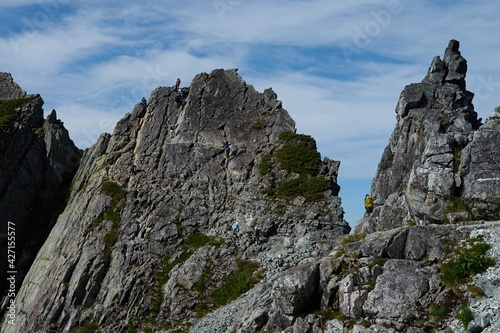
x,y
440,164
145,243
37,163
388,282
144,240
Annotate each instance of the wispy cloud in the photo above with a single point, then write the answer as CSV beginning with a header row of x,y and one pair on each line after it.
x,y
337,66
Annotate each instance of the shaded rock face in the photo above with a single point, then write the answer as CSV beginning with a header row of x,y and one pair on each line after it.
x,y
440,159
480,168
122,253
37,163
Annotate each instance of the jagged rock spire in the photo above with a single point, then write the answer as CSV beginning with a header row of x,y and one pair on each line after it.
x,y
452,69
418,172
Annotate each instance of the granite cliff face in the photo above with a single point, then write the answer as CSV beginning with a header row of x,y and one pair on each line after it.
x,y
37,163
144,239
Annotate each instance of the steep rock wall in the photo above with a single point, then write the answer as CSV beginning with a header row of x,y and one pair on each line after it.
x,y
119,253
37,163
439,156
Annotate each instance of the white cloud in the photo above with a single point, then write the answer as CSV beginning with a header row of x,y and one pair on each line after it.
x,y
338,67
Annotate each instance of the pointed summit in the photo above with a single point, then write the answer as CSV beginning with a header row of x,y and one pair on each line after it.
x,y
418,175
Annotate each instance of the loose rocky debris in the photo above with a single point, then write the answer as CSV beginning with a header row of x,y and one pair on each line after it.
x,y
387,282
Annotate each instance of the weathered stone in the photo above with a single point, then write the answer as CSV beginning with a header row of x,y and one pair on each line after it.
x,y
419,172
37,163
297,290
479,163
180,180
399,290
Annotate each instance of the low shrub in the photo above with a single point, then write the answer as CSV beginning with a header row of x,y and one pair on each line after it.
x,y
7,108
437,311
298,154
265,165
311,188
465,262
465,316
455,205
239,282
85,328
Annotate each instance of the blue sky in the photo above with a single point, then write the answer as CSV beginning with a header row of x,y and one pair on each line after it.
x,y
337,66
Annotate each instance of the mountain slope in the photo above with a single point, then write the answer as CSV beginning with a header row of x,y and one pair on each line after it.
x,y
144,239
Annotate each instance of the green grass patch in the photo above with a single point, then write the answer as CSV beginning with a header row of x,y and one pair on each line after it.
x,y
455,205
352,238
7,108
197,240
265,165
112,214
130,327
465,262
85,328
115,191
239,282
258,125
330,314
298,154
465,316
475,291
437,311
497,210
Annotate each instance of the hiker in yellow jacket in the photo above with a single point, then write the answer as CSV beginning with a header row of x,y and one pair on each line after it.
x,y
368,204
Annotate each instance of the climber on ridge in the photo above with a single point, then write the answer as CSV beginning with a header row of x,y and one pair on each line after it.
x,y
177,84
180,95
368,204
227,147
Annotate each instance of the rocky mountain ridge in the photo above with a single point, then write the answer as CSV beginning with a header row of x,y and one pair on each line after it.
x,y
145,242
144,238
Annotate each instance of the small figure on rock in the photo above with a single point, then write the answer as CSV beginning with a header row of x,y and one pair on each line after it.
x,y
257,235
180,96
134,169
144,102
227,146
172,133
368,204
177,83
280,263
236,227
